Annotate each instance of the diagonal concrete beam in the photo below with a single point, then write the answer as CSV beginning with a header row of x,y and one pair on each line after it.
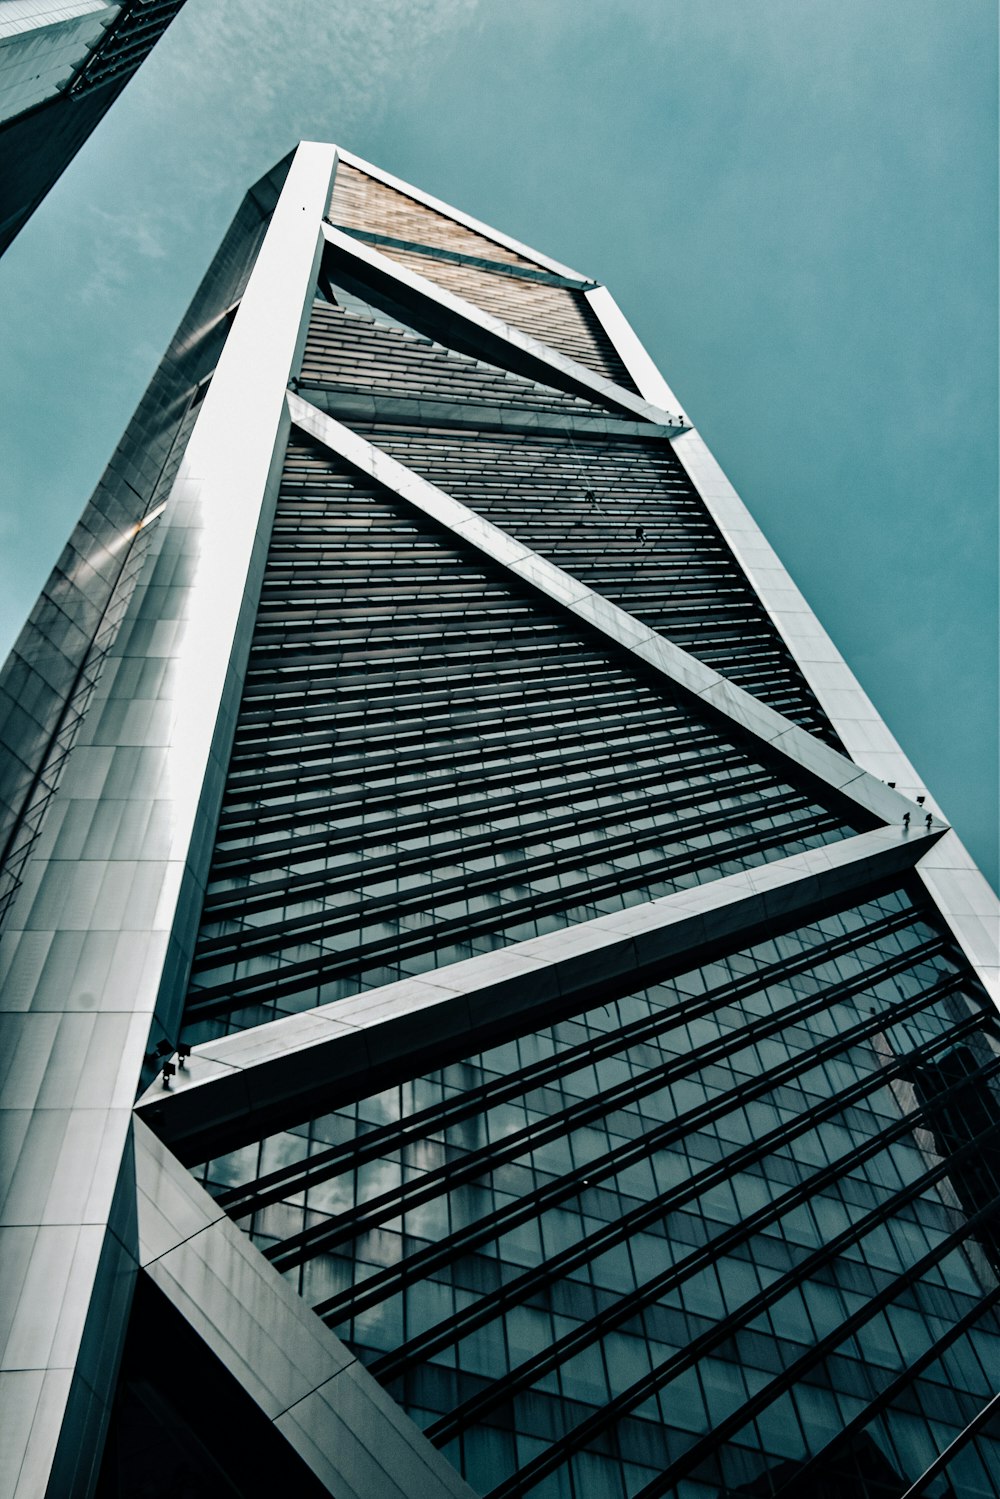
x,y
322,1402
965,900
234,1089
376,406
466,327
778,736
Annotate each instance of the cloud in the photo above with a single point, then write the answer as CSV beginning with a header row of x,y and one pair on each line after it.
x,y
141,237
288,60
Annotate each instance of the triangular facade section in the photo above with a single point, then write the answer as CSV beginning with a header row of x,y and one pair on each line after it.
x,y
483,272
616,511
620,514
642,1244
354,351
431,762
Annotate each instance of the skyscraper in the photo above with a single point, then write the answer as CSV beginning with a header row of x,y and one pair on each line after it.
x,y
63,63
487,1006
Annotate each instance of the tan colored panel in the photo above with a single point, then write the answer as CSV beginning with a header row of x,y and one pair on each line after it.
x,y
557,316
361,202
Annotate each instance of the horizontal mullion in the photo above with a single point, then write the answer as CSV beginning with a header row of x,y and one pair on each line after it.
x,y
443,1431
664,1482
394,826
303,1174
551,819
649,1293
816,1465
508,696
492,881
521,750
532,1136
514,1292
403,944
245,815
285,800
609,681
503,1220
541,644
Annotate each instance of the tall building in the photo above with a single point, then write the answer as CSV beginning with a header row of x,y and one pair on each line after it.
x,y
487,1006
63,63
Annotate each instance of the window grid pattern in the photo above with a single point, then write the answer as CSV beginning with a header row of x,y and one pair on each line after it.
x,y
558,316
430,763
348,351
622,516
127,42
363,202
703,1239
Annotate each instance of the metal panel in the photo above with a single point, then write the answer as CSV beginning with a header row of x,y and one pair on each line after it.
x,y
494,339
419,196
142,766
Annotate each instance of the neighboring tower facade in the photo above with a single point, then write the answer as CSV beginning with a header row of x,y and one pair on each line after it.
x,y
63,63
487,1007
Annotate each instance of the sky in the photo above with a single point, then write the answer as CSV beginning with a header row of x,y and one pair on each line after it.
x,y
794,201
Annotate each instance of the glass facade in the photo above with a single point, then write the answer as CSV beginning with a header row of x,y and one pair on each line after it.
x,y
711,1236
618,513
429,763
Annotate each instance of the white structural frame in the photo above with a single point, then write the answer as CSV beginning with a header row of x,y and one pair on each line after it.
x,y
333,1415
89,1197
557,368
113,884
231,1083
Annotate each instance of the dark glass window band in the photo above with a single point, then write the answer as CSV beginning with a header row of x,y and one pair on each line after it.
x,y
252,1196
814,1467
989,1413
661,1485
488,1158
591,1331
382,1284
593,1426
279,983
470,1318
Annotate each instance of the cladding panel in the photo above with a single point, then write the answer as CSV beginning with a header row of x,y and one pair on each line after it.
x,y
47,681
556,315
362,202
347,350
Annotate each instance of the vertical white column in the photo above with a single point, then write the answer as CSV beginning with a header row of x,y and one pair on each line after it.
x,y
100,933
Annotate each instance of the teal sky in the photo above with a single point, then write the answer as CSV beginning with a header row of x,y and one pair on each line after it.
x,y
795,202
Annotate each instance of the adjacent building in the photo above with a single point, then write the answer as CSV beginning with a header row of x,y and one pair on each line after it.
x,y
62,65
487,1006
